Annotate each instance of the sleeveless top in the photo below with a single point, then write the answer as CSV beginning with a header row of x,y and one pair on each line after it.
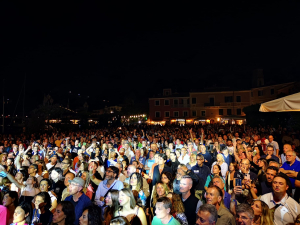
x,y
130,217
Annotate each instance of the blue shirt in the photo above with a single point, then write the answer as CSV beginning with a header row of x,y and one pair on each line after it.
x,y
294,167
102,189
81,204
226,200
141,160
149,163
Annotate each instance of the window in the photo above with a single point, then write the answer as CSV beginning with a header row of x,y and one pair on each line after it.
x,y
176,114
194,101
167,102
238,99
185,113
202,113
220,111
229,112
167,114
238,111
194,113
228,99
260,93
272,91
157,102
157,114
175,101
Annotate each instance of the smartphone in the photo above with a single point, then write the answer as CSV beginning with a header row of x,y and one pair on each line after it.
x,y
238,182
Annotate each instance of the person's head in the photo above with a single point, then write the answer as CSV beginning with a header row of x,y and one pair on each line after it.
x,y
112,199
66,163
23,213
263,164
217,170
163,207
192,158
166,177
162,159
183,151
290,157
271,138
173,156
131,169
56,174
200,159
91,216
83,166
151,154
287,147
10,198
64,211
214,195
136,181
271,172
45,185
93,165
207,215
232,166
245,165
42,200
186,184
280,184
218,181
260,208
32,169
112,173
76,185
32,181
274,163
270,150
126,197
34,158
244,214
137,153
119,220
53,159
220,158
68,176
10,161
181,171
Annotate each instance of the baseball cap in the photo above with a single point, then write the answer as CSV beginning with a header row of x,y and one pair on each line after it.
x,y
78,180
54,155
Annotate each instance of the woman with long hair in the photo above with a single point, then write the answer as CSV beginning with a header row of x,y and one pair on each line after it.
x,y
230,177
81,159
221,162
22,214
20,177
41,212
112,203
64,214
263,164
159,190
57,184
128,207
216,170
10,201
91,216
167,178
119,220
262,213
136,184
177,210
45,185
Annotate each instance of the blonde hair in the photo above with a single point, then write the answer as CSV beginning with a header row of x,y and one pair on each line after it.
x,y
155,196
192,156
266,216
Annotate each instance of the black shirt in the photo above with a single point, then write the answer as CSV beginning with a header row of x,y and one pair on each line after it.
x,y
190,206
265,188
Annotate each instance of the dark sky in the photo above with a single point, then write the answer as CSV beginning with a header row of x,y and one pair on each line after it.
x,y
113,51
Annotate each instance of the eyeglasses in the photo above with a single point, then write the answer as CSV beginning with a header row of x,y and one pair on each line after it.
x,y
109,171
199,159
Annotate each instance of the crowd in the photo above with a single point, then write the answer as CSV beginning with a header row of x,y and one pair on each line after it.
x,y
209,174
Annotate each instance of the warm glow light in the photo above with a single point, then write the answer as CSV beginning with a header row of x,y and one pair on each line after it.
x,y
218,119
208,121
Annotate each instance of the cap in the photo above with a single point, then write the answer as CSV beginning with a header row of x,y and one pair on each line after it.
x,y
78,180
54,155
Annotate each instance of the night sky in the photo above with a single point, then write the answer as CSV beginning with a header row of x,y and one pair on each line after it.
x,y
113,52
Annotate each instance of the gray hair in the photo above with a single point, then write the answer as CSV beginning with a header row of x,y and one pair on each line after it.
x,y
187,177
212,211
245,208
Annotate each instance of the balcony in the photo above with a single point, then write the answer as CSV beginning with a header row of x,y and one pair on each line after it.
x,y
212,104
180,105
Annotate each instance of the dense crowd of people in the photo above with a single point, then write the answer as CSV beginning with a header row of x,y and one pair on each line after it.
x,y
206,174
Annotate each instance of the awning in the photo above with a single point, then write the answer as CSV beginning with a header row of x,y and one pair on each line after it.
x,y
285,104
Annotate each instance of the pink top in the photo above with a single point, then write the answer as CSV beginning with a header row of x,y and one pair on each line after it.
x,y
3,215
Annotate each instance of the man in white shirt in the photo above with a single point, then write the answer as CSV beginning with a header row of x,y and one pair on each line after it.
x,y
275,145
286,208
